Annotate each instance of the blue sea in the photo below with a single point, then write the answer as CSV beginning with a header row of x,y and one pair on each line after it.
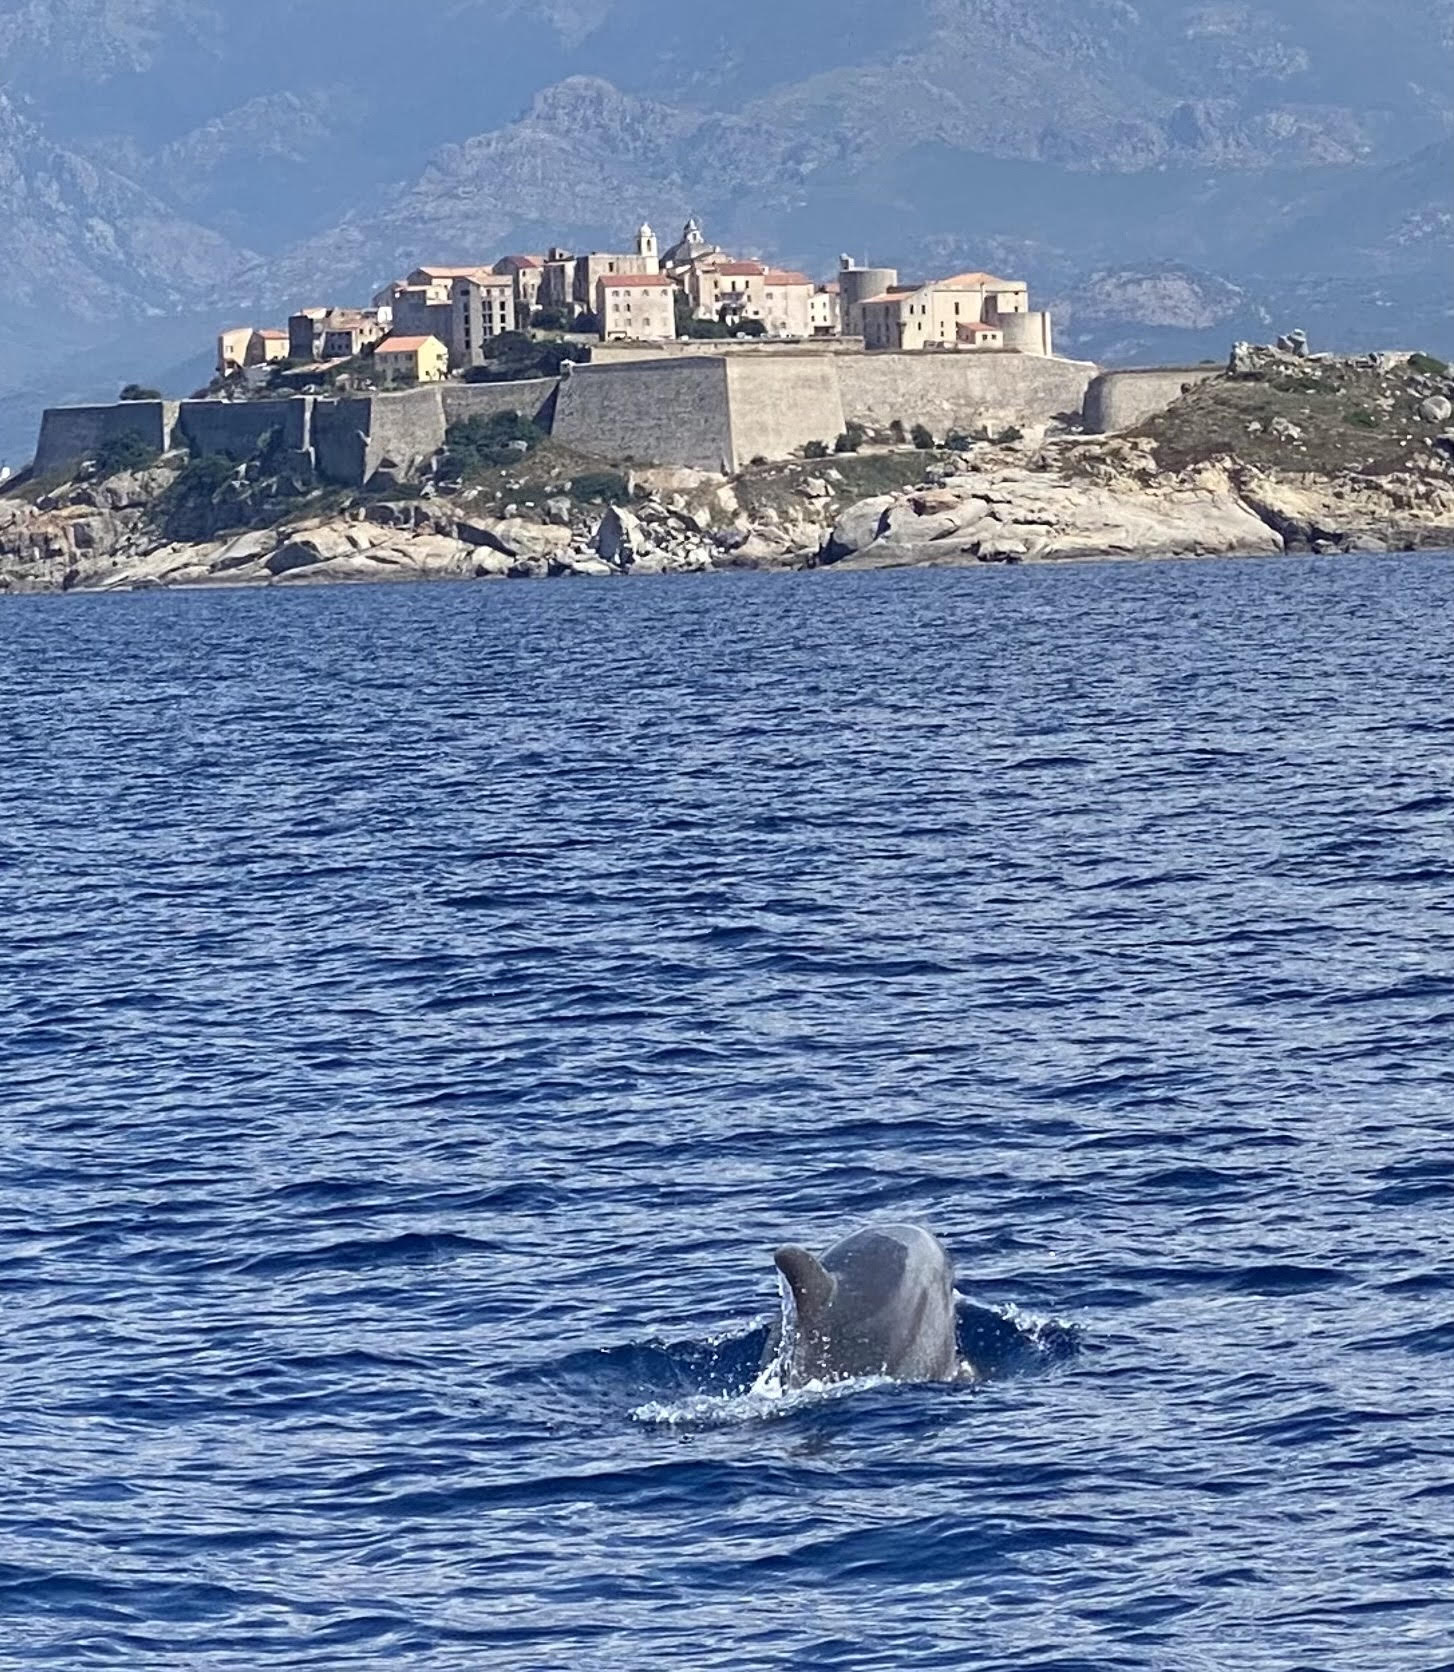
x,y
423,1010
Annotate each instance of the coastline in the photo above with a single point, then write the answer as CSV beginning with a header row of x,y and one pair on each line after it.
x,y
1287,455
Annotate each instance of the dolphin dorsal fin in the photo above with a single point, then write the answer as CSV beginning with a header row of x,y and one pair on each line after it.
x,y
812,1286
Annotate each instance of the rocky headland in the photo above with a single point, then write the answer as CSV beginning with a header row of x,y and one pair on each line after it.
x,y
1286,451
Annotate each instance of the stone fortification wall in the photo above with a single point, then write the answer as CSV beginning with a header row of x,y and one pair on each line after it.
x,y
961,390
654,411
1119,401
746,348
236,429
775,405
69,434
1028,333
352,437
533,399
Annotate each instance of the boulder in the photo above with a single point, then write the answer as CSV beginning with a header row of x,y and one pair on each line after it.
x,y
666,479
1438,409
247,548
580,564
904,526
355,567
318,545
619,537
439,554
515,536
858,526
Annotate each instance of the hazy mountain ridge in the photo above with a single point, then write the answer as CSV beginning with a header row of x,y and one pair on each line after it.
x,y
1272,152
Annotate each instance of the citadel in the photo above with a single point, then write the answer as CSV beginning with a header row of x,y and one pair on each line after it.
x,y
685,356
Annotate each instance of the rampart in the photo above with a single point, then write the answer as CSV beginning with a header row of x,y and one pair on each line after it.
x,y
709,410
649,412
69,434
745,348
964,391
776,405
533,399
1118,401
238,429
353,436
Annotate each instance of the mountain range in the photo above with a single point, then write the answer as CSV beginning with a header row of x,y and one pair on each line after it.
x,y
1167,175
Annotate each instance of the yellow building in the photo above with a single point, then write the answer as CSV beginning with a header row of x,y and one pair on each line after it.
x,y
412,360
243,346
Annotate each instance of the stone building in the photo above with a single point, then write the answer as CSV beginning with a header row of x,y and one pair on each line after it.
x,y
590,269
690,251
244,345
969,310
347,332
639,306
482,306
527,272
411,360
856,285
825,314
305,334
732,291
557,279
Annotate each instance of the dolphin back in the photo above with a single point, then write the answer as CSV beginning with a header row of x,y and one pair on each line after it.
x,y
878,1303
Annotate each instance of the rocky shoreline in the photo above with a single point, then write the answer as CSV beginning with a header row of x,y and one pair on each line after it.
x,y
1048,498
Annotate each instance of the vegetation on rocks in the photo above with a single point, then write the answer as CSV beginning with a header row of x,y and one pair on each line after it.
x,y
118,453
473,446
1376,415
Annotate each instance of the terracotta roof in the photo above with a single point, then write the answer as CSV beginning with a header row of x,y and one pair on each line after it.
x,y
267,331
740,269
519,260
778,275
454,272
970,326
406,345
897,293
637,281
978,281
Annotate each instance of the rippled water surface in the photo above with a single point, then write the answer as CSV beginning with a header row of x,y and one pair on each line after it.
x,y
423,1010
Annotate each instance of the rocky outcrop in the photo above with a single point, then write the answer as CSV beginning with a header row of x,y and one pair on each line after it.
x,y
1031,511
1069,497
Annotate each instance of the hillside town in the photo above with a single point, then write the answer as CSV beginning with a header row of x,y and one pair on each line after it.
x,y
445,321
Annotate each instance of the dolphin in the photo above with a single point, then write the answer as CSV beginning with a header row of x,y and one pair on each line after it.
x,y
878,1303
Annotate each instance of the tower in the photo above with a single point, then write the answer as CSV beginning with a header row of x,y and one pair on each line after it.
x,y
646,242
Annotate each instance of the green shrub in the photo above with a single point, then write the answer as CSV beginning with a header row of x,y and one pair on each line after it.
x,y
704,328
123,452
815,450
1011,432
201,478
896,429
137,392
749,328
1361,418
758,458
481,443
852,438
958,442
922,437
585,324
600,487
1428,365
551,318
